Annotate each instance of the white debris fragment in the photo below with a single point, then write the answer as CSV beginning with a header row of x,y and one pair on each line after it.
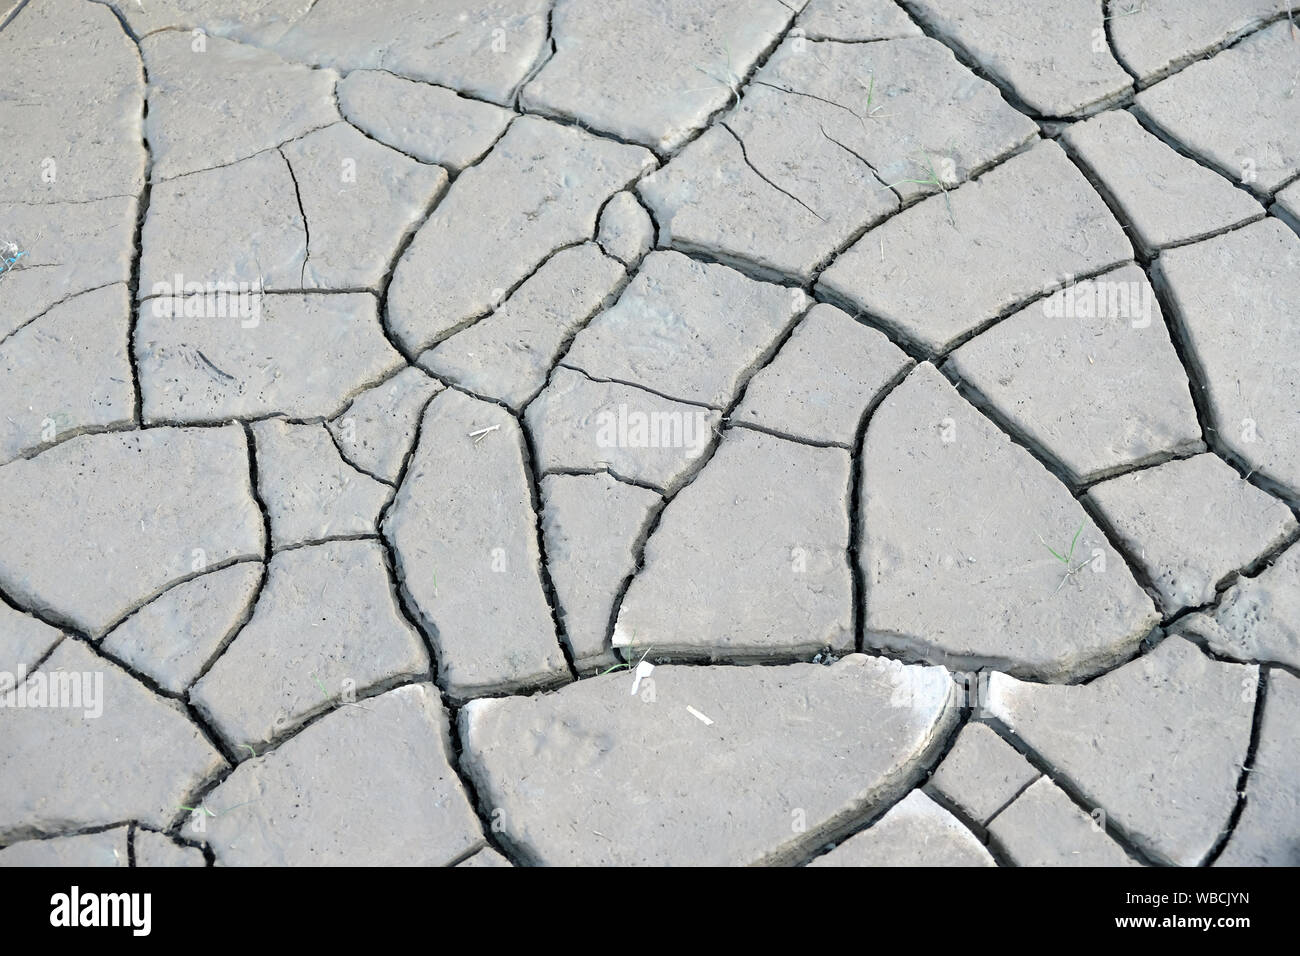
x,y
479,435
643,669
698,716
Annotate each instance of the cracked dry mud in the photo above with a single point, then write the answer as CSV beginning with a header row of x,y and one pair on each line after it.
x,y
608,432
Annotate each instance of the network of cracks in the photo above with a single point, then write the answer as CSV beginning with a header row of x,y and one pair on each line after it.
x,y
844,433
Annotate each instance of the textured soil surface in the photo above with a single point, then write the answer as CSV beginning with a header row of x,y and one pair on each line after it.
x,y
614,432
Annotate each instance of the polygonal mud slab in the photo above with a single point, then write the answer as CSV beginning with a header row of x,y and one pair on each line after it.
x,y
1044,827
65,60
710,200
374,433
705,765
238,224
326,629
105,848
98,525
213,101
825,128
828,373
466,542
1238,110
713,193
1054,59
625,230
508,354
260,20
209,359
157,849
1154,37
483,47
1258,618
592,525
981,774
581,425
310,493
371,787
1234,298
690,330
1162,196
23,640
171,639
1190,524
915,832
906,106
537,191
110,750
651,73
1180,716
486,857
327,211
358,200
1268,831
948,266
821,383
750,560
1087,377
430,123
854,20
68,248
956,527
66,372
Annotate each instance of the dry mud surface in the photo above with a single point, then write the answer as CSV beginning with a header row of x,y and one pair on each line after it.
x,y
610,432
